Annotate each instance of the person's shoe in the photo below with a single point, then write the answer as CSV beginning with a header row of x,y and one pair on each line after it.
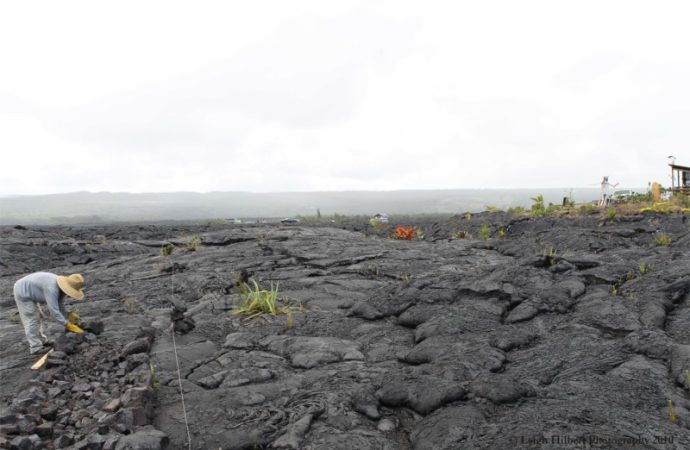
x,y
48,343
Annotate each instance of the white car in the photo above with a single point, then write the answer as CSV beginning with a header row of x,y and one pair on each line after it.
x,y
622,195
381,218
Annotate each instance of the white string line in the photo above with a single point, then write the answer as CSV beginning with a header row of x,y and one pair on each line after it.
x,y
177,361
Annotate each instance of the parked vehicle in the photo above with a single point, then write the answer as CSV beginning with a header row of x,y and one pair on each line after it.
x,y
621,196
289,221
381,218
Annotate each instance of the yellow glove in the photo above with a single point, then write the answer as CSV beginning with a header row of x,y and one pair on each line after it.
x,y
73,328
73,316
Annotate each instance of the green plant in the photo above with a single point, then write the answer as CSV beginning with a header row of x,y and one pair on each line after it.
x,y
485,232
154,382
639,198
611,213
614,290
194,243
552,209
587,208
289,323
490,208
168,249
644,268
375,270
501,233
662,239
672,417
260,301
538,209
378,226
549,254
681,200
516,210
14,317
240,287
467,216
405,277
130,304
459,234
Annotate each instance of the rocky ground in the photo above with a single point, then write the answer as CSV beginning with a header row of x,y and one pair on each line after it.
x,y
554,333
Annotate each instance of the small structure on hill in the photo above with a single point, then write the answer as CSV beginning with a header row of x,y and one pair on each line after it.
x,y
680,179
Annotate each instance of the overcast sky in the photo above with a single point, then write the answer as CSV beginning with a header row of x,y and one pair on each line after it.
x,y
263,96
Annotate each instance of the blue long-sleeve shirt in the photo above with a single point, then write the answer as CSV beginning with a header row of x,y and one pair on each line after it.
x,y
42,288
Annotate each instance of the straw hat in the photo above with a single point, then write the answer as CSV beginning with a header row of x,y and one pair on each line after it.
x,y
71,285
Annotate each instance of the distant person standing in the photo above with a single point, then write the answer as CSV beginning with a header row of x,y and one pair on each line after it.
x,y
48,289
606,191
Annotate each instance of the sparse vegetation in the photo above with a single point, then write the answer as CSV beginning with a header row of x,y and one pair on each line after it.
x,y
662,239
194,243
672,206
587,208
672,417
549,254
130,304
502,233
14,317
261,240
538,209
516,210
259,301
290,321
485,232
154,382
644,268
611,213
375,270
456,233
378,226
168,249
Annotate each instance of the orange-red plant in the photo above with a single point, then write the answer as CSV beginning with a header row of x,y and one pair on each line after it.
x,y
404,233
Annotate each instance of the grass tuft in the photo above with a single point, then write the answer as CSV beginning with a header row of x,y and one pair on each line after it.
x,y
167,249
258,301
663,239
194,243
672,417
485,232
